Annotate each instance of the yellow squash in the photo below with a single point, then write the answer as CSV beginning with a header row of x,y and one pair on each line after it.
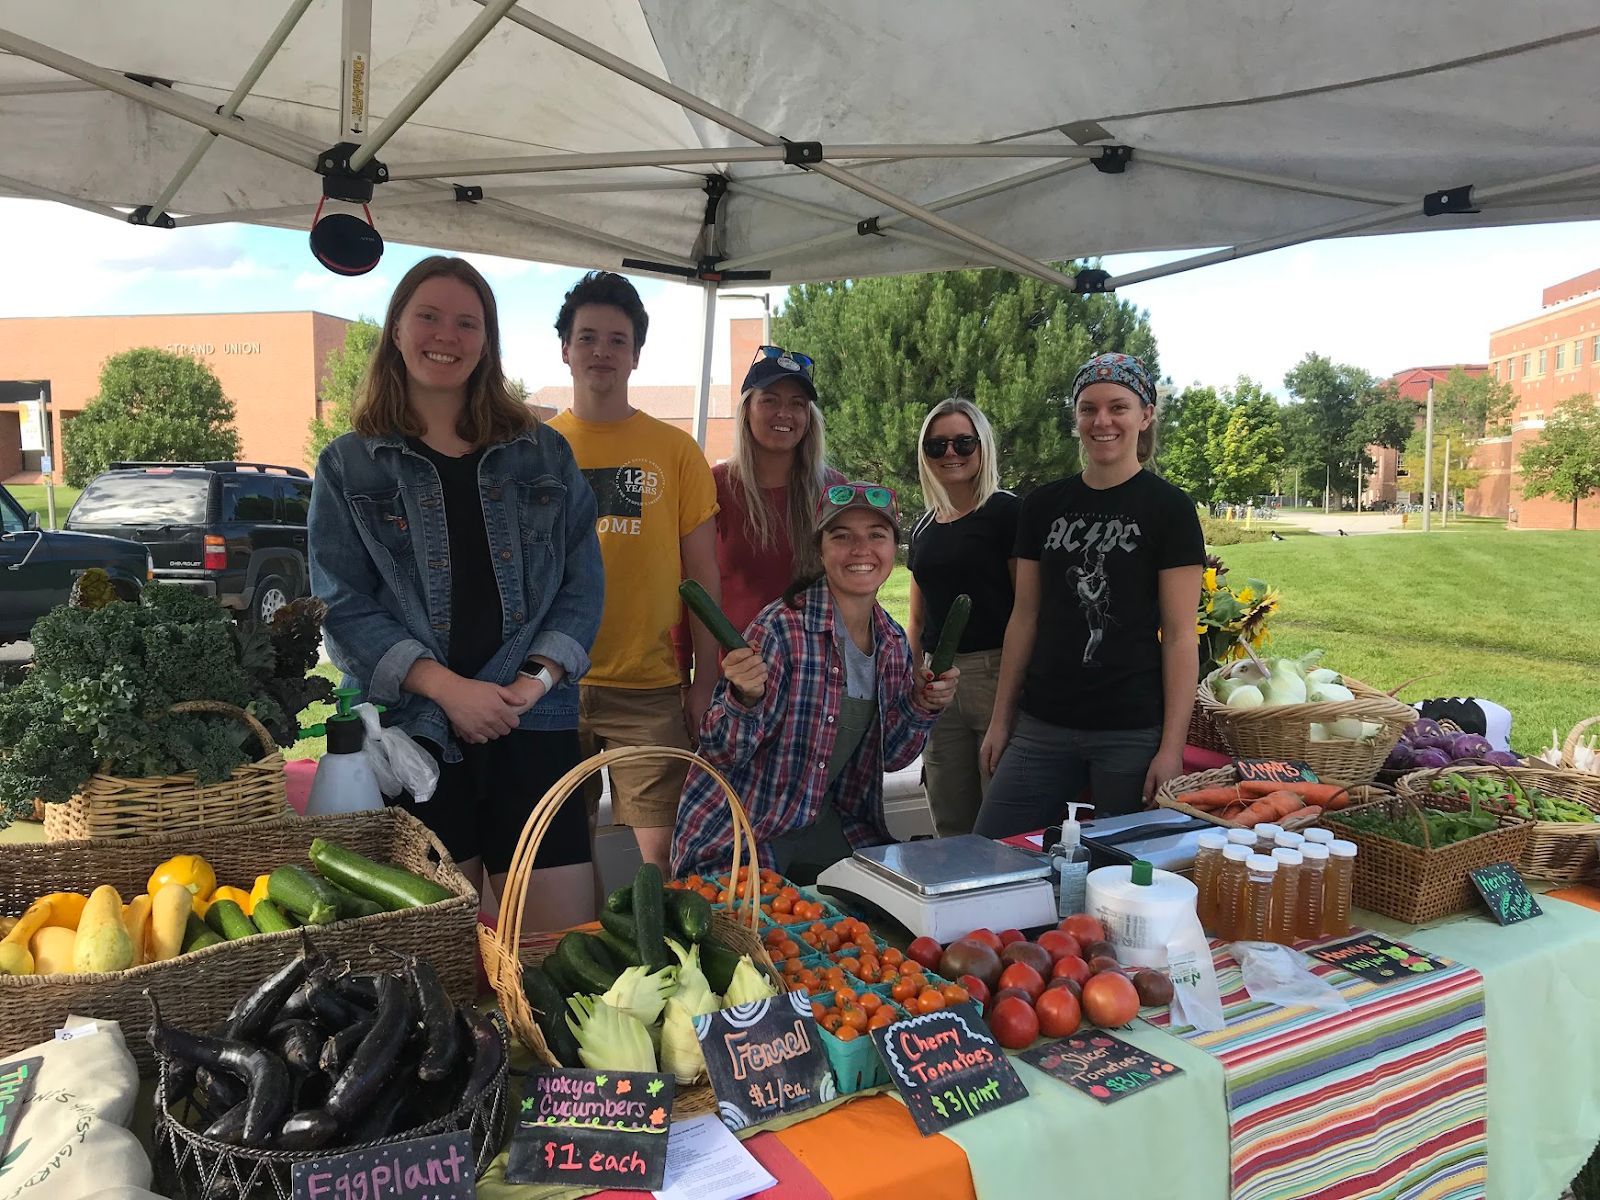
x,y
257,893
66,908
14,956
102,943
52,950
169,914
15,959
191,870
136,919
238,895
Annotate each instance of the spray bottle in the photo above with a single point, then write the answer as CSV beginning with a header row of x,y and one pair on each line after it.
x,y
344,781
1071,860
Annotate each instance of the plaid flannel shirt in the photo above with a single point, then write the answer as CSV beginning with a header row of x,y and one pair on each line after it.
x,y
775,754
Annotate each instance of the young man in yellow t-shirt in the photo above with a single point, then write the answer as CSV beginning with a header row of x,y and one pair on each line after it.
x,y
656,501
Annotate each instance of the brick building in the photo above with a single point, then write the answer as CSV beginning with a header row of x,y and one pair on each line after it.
x,y
1385,485
1545,359
269,364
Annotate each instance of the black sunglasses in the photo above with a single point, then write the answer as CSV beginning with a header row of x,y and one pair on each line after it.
x,y
965,446
795,360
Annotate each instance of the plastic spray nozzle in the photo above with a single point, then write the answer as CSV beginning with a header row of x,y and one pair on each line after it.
x,y
343,700
1071,829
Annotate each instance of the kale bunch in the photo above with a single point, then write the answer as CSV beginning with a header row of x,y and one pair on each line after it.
x,y
105,681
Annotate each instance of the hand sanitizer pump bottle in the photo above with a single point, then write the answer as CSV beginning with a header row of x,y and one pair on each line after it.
x,y
1071,861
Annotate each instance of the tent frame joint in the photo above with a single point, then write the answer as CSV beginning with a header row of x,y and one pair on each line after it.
x,y
716,187
144,215
1091,281
467,194
1452,201
801,154
1112,160
869,227
342,182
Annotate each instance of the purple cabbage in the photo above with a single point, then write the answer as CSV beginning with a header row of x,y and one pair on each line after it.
x,y
1425,757
1400,757
1502,758
1470,745
1424,727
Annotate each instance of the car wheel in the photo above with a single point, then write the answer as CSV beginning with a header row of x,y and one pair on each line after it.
x,y
125,590
272,593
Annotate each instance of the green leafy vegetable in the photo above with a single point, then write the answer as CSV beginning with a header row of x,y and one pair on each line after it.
x,y
609,1040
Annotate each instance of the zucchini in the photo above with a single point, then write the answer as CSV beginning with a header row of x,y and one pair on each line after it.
x,y
566,982
955,624
625,949
298,892
604,954
549,1010
621,900
623,927
197,935
578,960
391,887
718,963
690,913
228,919
352,905
269,918
650,916
700,603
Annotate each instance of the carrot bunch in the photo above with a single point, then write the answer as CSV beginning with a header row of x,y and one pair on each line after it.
x,y
1249,803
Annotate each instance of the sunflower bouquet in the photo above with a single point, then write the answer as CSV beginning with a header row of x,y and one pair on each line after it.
x,y
1230,617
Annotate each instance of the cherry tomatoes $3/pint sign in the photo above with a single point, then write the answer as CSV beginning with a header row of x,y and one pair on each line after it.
x,y
948,1067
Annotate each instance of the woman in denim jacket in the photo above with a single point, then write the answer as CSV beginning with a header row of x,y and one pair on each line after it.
x,y
452,538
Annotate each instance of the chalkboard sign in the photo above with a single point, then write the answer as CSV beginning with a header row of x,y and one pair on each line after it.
x,y
947,1067
16,1086
430,1168
1100,1065
593,1129
1505,893
765,1059
1271,770
1374,957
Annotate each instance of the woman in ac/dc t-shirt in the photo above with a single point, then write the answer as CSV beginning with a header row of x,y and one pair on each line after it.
x,y
1100,664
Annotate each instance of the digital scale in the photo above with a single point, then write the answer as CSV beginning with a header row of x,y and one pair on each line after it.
x,y
945,887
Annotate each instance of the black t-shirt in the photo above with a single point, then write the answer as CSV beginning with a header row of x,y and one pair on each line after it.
x,y
1097,656
970,555
475,613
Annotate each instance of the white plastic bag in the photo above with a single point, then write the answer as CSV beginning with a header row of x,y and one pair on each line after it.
x,y
1276,974
399,763
1195,998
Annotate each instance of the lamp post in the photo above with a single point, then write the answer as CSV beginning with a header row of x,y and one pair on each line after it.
x,y
1427,467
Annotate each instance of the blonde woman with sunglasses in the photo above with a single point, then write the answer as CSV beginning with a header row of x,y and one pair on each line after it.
x,y
963,545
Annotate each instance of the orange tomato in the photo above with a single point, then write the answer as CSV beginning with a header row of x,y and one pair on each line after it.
x,y
855,1016
883,1016
844,995
891,955
954,993
870,1001
904,988
930,1000
818,1009
833,1021
846,1033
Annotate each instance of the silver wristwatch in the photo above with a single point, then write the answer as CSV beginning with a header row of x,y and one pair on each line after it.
x,y
542,675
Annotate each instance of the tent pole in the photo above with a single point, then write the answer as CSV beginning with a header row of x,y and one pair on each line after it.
x,y
175,104
635,248
355,69
466,42
43,193
44,87
702,404
274,43
1155,158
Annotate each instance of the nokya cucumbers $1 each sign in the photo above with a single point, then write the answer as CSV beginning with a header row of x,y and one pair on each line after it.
x,y
441,1167
1505,893
947,1067
765,1059
593,1129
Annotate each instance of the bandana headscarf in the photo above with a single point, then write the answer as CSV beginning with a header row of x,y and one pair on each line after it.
x,y
1116,368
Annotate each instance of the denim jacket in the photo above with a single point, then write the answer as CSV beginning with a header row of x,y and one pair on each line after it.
x,y
380,560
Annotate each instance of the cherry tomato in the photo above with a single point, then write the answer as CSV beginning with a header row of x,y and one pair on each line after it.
x,y
847,1033
930,1000
954,993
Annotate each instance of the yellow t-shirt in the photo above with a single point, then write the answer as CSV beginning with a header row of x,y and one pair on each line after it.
x,y
652,486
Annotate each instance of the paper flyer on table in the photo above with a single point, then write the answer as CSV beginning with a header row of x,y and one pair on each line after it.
x,y
706,1162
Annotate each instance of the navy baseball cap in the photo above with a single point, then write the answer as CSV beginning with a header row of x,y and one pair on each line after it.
x,y
774,363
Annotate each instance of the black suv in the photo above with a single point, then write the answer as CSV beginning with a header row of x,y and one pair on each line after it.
x,y
39,566
233,530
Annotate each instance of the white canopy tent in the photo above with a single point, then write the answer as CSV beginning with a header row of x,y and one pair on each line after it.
x,y
725,141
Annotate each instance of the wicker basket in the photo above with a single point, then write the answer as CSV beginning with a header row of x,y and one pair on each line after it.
x,y
505,951
1570,745
1557,851
1167,797
111,806
1284,731
1203,731
1418,884
195,990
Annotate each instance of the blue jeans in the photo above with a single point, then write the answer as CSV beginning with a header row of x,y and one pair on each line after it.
x,y
1045,766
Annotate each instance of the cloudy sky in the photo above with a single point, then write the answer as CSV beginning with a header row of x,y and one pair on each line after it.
x,y
1382,303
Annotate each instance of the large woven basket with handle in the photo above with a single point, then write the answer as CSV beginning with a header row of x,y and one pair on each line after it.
x,y
114,806
1575,738
506,949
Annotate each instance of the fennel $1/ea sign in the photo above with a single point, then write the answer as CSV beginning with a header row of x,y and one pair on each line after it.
x,y
593,1129
765,1059
947,1067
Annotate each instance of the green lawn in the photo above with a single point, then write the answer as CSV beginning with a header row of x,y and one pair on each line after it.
x,y
31,497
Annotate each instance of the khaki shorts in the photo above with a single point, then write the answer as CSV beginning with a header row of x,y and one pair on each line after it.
x,y
643,795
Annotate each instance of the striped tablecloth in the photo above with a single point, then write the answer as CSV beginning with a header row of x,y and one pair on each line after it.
x,y
1386,1099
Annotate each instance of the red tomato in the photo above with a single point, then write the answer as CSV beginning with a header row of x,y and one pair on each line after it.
x,y
1007,936
1110,1000
988,937
1060,944
1101,962
925,951
1084,927
976,988
1023,976
1014,1023
1058,1013
1019,993
1071,967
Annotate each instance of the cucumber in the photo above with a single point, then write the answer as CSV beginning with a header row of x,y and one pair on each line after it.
x,y
389,886
577,960
701,604
228,919
625,949
269,918
718,963
955,624
690,913
621,900
352,905
197,935
566,982
548,1010
603,954
650,916
298,892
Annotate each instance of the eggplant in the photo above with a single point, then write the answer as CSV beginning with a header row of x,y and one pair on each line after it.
x,y
332,1009
258,1008
359,989
334,1053
221,1091
375,1059
383,1117
441,1034
488,1053
297,1042
308,1129
229,1127
266,1078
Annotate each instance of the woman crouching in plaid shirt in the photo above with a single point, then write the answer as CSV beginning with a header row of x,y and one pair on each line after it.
x,y
805,723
